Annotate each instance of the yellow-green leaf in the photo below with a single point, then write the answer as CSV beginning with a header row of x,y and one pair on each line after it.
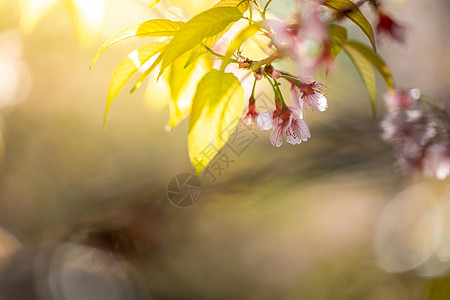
x,y
150,28
217,106
352,12
242,5
147,72
179,75
242,36
154,3
366,71
195,54
183,82
211,41
375,60
338,36
204,25
127,68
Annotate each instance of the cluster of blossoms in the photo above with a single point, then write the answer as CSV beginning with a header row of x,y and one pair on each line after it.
x,y
419,132
311,40
306,41
287,121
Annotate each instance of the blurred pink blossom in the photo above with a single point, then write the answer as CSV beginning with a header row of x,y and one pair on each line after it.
x,y
305,40
437,162
401,99
389,27
420,138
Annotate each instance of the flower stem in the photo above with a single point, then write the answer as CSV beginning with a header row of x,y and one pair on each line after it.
x,y
292,79
266,61
278,95
211,51
253,89
265,9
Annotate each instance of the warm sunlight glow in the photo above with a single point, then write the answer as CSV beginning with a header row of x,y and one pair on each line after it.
x,y
85,15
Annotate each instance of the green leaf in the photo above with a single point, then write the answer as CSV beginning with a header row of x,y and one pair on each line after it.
x,y
367,73
211,41
179,75
204,25
183,83
147,72
242,5
352,12
195,54
376,61
338,36
216,109
154,3
127,68
242,36
150,28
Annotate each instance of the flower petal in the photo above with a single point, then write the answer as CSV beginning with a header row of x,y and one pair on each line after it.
x,y
295,96
301,129
296,112
265,120
292,137
276,136
317,101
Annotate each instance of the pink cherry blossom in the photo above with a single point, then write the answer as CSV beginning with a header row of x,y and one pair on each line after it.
x,y
286,123
305,40
411,134
283,36
312,94
407,128
387,26
309,94
401,99
313,37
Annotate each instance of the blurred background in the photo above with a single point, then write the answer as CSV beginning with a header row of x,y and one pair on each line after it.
x,y
84,213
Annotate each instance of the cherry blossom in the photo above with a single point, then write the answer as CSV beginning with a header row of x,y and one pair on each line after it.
x,y
307,92
401,99
287,123
387,26
313,50
305,40
418,134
